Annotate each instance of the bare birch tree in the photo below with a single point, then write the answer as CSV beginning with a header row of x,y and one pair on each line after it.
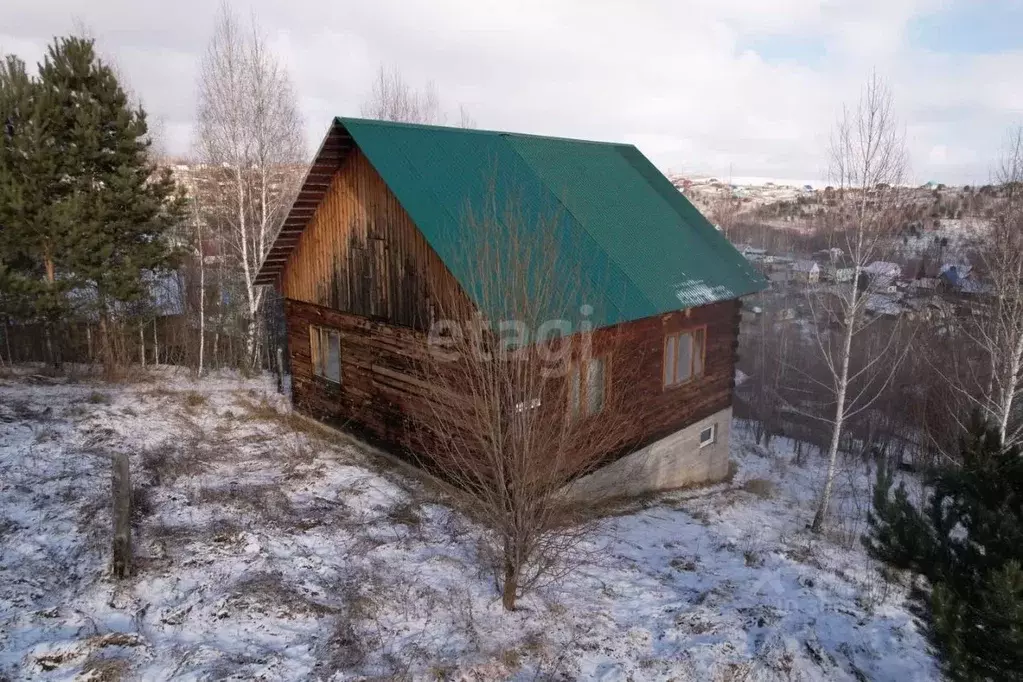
x,y
867,167
199,252
393,99
519,407
990,376
250,132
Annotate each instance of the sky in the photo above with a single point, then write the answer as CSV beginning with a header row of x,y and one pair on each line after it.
x,y
730,88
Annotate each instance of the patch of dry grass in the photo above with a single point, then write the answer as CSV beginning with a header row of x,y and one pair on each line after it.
x,y
98,398
405,514
102,669
194,399
269,593
165,463
259,501
218,531
761,487
262,409
158,391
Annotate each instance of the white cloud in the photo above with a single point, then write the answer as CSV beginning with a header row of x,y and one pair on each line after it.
x,y
694,84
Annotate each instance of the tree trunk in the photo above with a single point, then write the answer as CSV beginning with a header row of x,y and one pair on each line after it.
x,y
51,279
51,356
120,479
1009,391
836,432
510,589
202,299
107,349
7,343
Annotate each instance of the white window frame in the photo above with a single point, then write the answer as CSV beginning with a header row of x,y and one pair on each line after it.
x,y
580,402
697,340
713,428
318,336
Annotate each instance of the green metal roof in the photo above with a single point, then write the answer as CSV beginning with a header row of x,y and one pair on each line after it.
x,y
626,237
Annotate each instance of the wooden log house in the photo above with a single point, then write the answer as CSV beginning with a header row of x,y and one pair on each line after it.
x,y
376,238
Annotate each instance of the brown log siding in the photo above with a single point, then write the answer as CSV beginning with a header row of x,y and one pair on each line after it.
x,y
381,391
361,253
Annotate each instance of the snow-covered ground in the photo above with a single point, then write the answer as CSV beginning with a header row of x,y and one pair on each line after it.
x,y
961,237
268,550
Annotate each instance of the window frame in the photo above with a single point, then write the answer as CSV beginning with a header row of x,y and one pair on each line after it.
x,y
578,373
317,335
677,335
713,428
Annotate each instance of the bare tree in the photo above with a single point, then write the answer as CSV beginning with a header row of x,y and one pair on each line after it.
x,y
465,119
393,99
725,210
992,379
250,138
199,252
867,166
766,357
522,405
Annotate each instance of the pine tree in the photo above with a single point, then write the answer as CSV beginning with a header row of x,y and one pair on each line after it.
x,y
123,209
967,540
36,204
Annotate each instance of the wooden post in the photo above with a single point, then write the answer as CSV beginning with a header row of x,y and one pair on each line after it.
x,y
120,479
280,369
7,343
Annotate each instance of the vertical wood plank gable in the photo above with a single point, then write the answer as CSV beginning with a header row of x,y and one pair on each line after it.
x,y
361,253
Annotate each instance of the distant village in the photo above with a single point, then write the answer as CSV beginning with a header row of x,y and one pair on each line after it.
x,y
925,272
892,289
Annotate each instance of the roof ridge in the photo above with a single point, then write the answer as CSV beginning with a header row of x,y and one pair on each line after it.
x,y
343,120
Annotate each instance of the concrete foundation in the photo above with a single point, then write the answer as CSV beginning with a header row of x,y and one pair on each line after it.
x,y
672,462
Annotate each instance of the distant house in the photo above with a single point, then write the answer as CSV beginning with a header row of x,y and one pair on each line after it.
x,y
883,305
883,273
833,254
374,238
925,308
925,284
838,274
974,287
806,271
954,273
753,254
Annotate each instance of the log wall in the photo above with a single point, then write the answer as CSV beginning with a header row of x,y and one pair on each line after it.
x,y
381,390
655,411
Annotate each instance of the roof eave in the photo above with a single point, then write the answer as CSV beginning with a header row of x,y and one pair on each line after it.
x,y
333,150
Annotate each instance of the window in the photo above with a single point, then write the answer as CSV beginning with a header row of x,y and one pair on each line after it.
x,y
708,435
586,387
325,349
684,356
